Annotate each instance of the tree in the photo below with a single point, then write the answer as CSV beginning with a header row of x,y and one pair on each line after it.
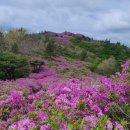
x,y
118,44
14,36
13,66
107,41
2,42
50,49
107,66
36,64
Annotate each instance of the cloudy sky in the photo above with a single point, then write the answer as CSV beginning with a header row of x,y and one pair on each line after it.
x,y
99,19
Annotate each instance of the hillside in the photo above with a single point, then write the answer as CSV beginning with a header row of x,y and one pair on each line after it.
x,y
63,81
73,46
65,95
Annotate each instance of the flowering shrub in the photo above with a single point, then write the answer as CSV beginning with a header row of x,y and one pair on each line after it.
x,y
53,101
25,124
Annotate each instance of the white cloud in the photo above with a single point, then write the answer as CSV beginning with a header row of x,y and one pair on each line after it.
x,y
100,19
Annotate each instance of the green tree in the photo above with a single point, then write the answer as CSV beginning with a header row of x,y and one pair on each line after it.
x,y
13,66
14,36
2,42
50,49
36,65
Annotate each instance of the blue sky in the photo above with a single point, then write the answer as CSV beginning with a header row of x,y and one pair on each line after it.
x,y
99,19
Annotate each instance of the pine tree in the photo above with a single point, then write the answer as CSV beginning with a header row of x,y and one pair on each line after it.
x,y
50,49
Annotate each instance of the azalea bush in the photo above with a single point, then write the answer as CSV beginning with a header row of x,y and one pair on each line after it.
x,y
49,100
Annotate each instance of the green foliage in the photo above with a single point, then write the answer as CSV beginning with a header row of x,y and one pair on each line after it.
x,y
36,128
102,121
13,66
102,50
25,93
52,64
81,105
126,107
13,37
69,59
36,64
2,42
81,47
107,67
14,48
95,63
83,55
53,123
32,115
67,53
70,126
50,50
120,112
62,72
14,119
60,114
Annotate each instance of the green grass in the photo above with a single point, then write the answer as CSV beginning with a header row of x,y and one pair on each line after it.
x,y
52,64
62,72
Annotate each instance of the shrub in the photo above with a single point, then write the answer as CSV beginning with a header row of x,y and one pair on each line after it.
x,y
107,67
83,55
13,66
